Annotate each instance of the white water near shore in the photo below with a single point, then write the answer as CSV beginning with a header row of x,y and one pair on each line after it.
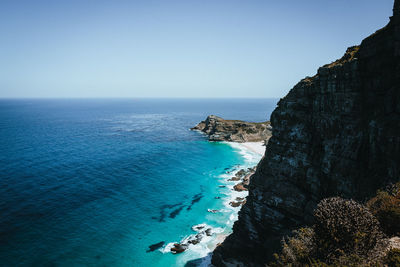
x,y
256,147
132,171
252,152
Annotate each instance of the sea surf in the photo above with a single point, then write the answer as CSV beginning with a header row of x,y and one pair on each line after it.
x,y
117,182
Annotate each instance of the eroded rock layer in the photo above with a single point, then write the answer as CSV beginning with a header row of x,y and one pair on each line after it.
x,y
334,134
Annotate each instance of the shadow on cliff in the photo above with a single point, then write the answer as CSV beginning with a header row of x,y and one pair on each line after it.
x,y
334,134
199,261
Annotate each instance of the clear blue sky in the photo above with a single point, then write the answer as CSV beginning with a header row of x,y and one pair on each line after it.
x,y
204,48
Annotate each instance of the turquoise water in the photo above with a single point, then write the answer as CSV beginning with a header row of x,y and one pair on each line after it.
x,y
96,182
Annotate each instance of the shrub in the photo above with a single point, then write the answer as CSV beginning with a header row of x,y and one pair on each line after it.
x,y
393,258
345,233
386,208
344,227
296,250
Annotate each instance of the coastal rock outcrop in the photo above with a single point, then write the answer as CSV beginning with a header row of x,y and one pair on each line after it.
x,y
201,230
178,248
334,134
219,129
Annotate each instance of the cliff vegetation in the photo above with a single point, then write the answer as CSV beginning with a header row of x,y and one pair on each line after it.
x,y
346,233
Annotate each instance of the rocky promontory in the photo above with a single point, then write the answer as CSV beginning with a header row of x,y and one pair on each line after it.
x,y
218,129
334,134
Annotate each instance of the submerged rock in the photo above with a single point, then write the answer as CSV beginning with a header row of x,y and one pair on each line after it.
x,y
156,246
212,211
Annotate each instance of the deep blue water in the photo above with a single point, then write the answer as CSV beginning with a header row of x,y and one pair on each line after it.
x,y
96,182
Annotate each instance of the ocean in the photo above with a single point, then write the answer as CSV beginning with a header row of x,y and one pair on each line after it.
x,y
96,182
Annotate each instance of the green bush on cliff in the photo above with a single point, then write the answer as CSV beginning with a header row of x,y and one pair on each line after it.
x,y
296,250
393,258
386,208
344,227
345,233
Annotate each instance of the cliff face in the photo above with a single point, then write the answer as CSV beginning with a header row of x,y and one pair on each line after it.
x,y
219,129
335,134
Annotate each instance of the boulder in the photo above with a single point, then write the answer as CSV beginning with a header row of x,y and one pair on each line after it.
x,y
178,248
240,187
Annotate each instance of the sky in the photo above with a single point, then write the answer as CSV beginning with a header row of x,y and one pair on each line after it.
x,y
169,48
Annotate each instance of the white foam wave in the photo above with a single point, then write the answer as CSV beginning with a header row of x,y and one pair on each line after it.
x,y
167,248
207,243
251,157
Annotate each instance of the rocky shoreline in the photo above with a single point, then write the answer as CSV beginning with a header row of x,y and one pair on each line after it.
x,y
202,230
219,129
252,138
242,177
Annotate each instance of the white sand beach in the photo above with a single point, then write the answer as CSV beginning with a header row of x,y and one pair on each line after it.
x,y
256,147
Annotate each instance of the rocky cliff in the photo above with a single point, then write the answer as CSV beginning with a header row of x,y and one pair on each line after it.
x,y
334,134
219,129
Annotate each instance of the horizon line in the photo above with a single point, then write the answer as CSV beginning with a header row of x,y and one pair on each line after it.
x,y
131,97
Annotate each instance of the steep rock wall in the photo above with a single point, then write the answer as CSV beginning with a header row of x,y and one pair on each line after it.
x,y
334,134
